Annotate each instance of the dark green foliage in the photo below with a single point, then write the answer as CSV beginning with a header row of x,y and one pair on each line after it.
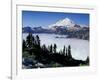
x,y
33,41
24,45
47,56
44,48
69,52
51,48
29,40
87,61
64,50
38,41
54,48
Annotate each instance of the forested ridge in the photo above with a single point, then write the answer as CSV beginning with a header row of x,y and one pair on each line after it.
x,y
35,55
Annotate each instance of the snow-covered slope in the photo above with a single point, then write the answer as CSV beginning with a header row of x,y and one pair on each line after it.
x,y
63,23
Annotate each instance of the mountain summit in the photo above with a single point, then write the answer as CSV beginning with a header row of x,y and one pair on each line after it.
x,y
66,22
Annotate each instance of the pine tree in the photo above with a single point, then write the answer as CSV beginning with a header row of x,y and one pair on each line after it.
x,y
37,40
87,61
64,50
66,54
29,43
29,40
51,48
24,45
33,41
55,46
69,52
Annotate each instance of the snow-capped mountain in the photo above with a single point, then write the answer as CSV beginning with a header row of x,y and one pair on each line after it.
x,y
63,23
66,23
65,26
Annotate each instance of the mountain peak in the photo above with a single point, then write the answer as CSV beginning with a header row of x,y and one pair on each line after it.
x,y
66,19
66,22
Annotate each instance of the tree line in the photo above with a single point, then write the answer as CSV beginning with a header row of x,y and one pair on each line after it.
x,y
49,54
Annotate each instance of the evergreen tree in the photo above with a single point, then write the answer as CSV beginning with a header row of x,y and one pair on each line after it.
x,y
33,41
30,43
37,40
24,45
64,50
69,52
51,48
29,40
87,61
66,54
55,46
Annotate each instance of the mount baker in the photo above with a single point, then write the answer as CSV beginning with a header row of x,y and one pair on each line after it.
x,y
65,26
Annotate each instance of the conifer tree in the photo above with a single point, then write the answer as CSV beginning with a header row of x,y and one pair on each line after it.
x,y
87,61
69,52
33,41
51,48
29,40
64,50
55,46
24,45
37,40
66,54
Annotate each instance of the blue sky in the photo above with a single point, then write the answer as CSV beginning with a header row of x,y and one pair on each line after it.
x,y
44,19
